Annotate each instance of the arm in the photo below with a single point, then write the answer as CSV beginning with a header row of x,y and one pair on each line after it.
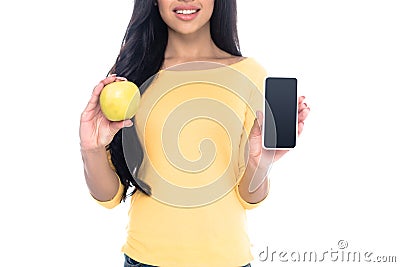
x,y
102,181
254,185
95,133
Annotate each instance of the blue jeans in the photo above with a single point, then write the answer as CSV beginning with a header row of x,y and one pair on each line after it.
x,y
129,262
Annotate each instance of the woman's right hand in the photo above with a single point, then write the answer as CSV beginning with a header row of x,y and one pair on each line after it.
x,y
95,130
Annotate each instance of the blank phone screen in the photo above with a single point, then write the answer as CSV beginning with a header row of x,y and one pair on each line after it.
x,y
280,113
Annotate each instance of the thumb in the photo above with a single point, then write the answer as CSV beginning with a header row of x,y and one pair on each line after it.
x,y
260,118
258,124
256,129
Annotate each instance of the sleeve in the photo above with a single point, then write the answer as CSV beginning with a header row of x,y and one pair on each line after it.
x,y
109,204
248,205
257,75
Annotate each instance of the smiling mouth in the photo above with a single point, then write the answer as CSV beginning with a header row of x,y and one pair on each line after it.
x,y
186,11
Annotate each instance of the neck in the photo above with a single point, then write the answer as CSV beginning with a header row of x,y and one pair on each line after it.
x,y
193,46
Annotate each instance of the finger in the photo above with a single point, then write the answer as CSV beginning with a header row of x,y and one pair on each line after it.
x,y
120,79
127,123
300,127
110,79
104,82
94,99
302,106
301,99
303,114
118,125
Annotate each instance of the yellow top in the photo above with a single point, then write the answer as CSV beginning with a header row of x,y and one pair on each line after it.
x,y
193,122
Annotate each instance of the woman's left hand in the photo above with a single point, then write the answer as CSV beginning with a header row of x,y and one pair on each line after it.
x,y
260,156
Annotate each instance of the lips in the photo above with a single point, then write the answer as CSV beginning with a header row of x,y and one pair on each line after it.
x,y
186,12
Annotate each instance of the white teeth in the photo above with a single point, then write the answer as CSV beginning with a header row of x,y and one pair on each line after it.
x,y
186,12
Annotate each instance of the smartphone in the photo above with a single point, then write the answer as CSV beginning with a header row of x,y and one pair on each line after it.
x,y
280,113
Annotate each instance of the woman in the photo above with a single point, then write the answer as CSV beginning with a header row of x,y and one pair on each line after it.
x,y
160,35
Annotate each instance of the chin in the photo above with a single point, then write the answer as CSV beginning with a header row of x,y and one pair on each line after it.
x,y
192,29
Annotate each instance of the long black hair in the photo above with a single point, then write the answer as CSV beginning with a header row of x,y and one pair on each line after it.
x,y
141,56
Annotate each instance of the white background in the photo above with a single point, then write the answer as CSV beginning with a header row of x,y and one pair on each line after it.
x,y
340,183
